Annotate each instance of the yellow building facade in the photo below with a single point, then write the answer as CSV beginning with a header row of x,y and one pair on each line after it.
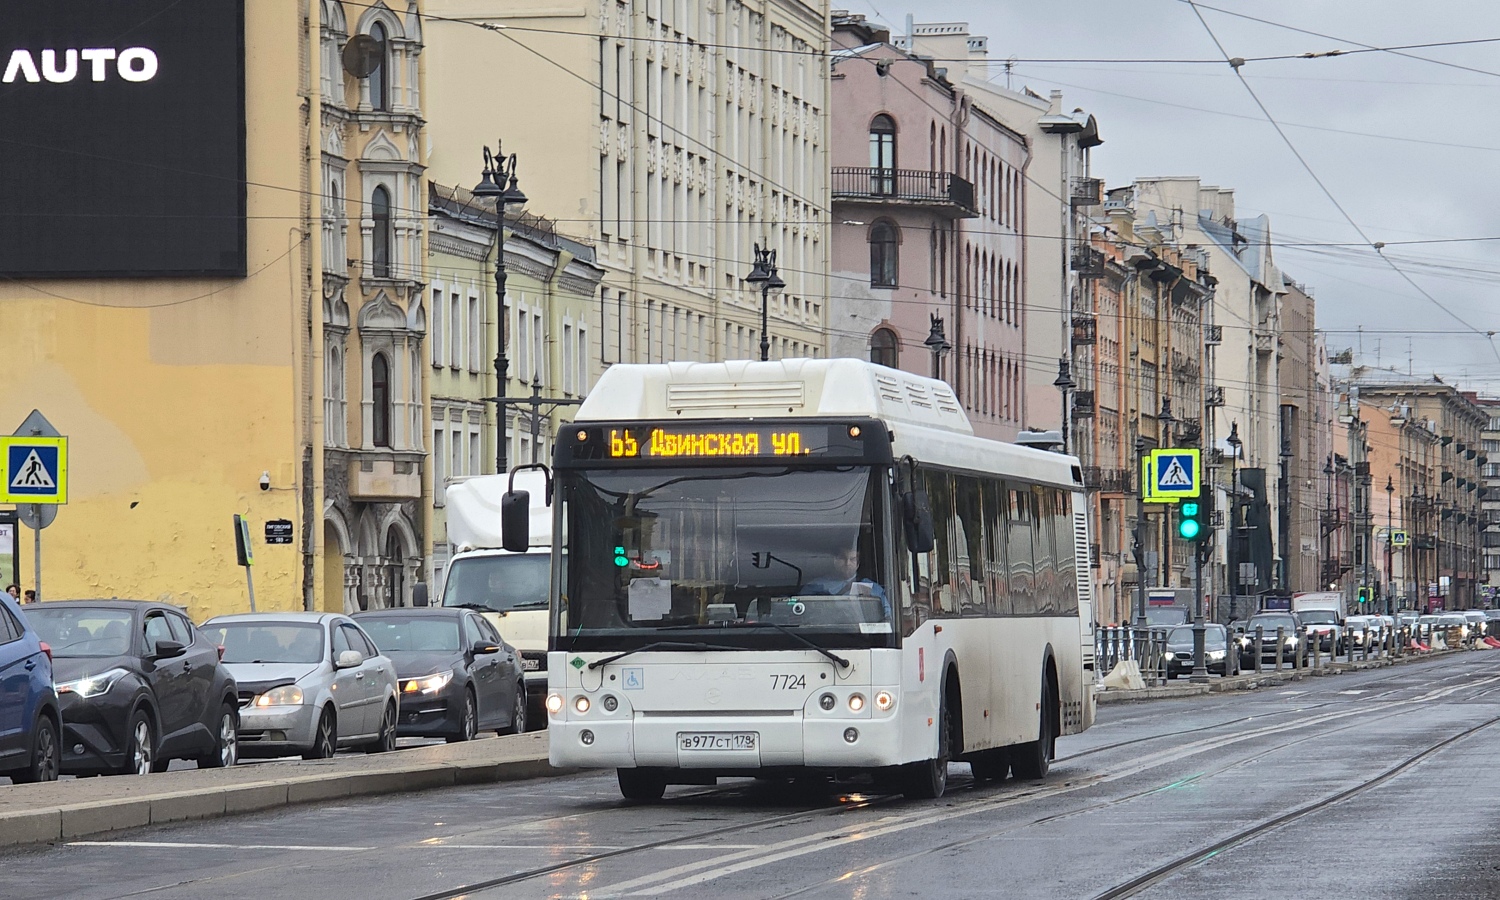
x,y
188,400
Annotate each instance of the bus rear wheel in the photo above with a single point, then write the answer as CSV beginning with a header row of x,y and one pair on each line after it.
x,y
1032,760
927,780
642,785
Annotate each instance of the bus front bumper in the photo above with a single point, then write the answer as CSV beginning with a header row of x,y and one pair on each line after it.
x,y
726,743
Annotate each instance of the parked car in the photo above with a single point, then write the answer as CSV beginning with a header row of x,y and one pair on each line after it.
x,y
1179,653
30,720
1329,628
458,676
1166,616
309,683
1359,629
1294,641
1452,627
139,686
1477,622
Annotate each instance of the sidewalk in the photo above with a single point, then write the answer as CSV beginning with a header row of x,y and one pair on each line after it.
x,y
1252,680
65,810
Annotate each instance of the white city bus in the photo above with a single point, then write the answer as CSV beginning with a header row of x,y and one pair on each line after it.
x,y
809,566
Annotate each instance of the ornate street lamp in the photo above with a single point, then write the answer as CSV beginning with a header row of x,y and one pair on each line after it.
x,y
764,276
499,184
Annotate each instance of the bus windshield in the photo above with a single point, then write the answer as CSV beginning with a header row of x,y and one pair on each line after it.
x,y
740,554
499,583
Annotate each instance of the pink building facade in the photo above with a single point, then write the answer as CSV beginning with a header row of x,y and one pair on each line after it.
x,y
928,200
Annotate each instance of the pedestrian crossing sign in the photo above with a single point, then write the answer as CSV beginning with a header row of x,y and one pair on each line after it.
x,y
1174,473
33,469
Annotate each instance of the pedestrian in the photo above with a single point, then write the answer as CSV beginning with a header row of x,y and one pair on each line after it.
x,y
14,590
29,597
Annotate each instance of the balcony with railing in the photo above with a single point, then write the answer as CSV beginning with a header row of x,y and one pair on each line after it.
x,y
940,192
1085,330
1087,192
1105,478
1087,262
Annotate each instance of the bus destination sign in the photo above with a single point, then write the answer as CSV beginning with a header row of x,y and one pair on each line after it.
x,y
677,443
626,443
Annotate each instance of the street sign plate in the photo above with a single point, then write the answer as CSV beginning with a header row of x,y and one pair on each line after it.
x,y
1175,472
279,531
1398,538
33,469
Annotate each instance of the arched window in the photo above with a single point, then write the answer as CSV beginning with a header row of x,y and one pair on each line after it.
x,y
380,79
884,248
380,236
885,348
883,155
380,400
395,561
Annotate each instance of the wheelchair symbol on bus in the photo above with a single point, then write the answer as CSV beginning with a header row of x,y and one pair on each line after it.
x,y
635,679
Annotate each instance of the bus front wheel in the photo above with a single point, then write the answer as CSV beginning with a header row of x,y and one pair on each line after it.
x,y
642,785
927,780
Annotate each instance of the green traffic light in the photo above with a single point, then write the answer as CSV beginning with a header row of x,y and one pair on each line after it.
x,y
1188,526
620,559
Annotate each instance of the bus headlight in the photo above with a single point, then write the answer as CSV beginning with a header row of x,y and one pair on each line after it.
x,y
851,735
581,704
856,702
554,703
884,700
610,703
827,702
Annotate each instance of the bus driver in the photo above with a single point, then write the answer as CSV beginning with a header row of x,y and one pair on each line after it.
x,y
845,580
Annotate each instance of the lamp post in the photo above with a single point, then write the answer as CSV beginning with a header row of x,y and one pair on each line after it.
x,y
1233,531
1064,382
1328,529
1138,546
937,343
763,275
499,184
1166,420
1390,502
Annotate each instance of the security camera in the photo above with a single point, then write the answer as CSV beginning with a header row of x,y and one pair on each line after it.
x,y
265,481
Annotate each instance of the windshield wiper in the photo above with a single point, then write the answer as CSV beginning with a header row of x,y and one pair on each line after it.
x,y
657,645
842,662
479,606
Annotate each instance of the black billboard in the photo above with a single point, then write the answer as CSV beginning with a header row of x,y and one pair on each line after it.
x,y
122,148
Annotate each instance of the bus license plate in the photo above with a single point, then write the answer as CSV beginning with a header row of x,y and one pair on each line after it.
x,y
716,740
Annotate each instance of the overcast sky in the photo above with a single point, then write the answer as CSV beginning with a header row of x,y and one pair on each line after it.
x,y
1407,147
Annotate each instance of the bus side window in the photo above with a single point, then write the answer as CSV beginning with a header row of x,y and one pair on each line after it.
x,y
1067,572
945,526
906,585
969,547
1044,553
1019,551
997,584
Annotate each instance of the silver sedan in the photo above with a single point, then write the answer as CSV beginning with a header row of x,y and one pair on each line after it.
x,y
309,684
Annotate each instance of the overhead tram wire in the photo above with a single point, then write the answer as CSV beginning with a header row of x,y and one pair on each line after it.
x,y
1378,247
1395,51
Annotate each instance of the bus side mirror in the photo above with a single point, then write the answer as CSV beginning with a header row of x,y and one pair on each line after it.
x,y
419,594
918,520
515,521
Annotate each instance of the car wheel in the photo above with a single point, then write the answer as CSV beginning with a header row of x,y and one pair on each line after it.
x,y
470,724
927,780
226,750
1032,760
325,739
385,742
140,745
46,754
518,717
641,785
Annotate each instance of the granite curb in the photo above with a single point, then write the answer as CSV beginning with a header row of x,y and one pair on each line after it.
x,y
160,799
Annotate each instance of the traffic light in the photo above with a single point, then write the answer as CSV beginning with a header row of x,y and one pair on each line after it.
x,y
1190,520
1364,595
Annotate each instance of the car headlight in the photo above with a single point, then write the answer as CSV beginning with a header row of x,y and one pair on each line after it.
x,y
286,695
1169,656
430,684
93,685
1216,654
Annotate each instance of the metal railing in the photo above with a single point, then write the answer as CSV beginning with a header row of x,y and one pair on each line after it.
x,y
1147,646
906,185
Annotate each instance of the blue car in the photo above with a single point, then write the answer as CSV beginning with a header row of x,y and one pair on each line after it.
x,y
30,721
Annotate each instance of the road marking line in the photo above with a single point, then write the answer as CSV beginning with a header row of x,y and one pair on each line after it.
x,y
183,845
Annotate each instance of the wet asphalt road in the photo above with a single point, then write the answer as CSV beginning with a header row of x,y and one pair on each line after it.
x,y
1374,784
